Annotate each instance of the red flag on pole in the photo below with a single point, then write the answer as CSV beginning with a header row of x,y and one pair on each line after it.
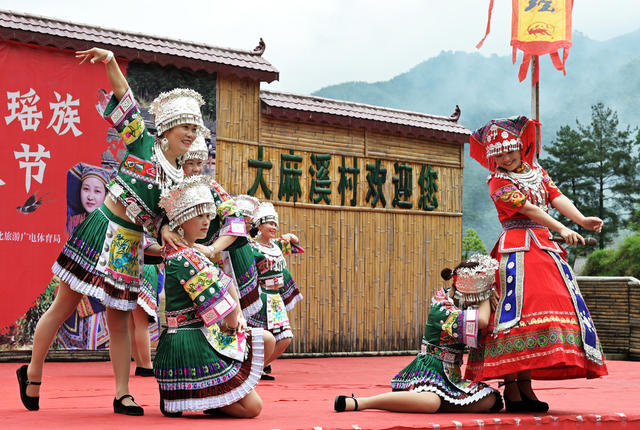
x,y
538,27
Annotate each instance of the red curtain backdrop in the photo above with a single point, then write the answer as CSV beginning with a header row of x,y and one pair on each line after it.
x,y
48,123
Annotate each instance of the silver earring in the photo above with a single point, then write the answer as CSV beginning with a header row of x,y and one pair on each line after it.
x,y
164,143
180,232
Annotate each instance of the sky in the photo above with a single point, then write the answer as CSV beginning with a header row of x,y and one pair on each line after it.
x,y
316,44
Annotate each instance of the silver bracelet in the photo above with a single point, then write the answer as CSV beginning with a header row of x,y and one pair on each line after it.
x,y
108,58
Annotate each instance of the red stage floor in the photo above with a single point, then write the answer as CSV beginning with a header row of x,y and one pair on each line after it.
x,y
79,396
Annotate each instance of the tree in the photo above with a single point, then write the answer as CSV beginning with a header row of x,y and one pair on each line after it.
x,y
472,244
612,156
596,167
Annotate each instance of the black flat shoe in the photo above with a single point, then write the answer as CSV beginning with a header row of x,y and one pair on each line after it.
x,y
143,371
31,403
513,405
340,403
267,377
134,409
534,405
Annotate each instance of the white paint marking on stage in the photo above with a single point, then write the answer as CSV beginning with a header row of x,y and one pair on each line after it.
x,y
538,420
457,423
622,415
480,423
435,426
598,418
356,427
554,418
317,428
517,421
579,418
497,420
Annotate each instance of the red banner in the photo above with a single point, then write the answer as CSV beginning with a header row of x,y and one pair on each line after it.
x,y
49,122
538,27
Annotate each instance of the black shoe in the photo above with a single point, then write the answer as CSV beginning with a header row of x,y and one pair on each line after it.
x,y
513,405
340,403
266,377
143,371
534,405
31,403
267,369
134,409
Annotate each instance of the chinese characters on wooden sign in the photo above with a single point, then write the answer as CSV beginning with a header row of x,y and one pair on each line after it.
x,y
291,176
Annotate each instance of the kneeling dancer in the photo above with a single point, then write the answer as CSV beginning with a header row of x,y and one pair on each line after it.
x,y
432,382
206,360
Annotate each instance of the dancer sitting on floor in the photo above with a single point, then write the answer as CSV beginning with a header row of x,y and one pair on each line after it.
x,y
541,328
432,382
103,256
206,360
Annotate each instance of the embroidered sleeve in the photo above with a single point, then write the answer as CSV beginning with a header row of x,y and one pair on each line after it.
x,y
208,289
288,247
231,220
551,187
506,196
125,117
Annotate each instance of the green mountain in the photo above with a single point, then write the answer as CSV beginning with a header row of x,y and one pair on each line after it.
x,y
488,87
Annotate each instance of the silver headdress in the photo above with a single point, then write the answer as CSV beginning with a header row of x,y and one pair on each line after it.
x,y
247,204
188,199
500,140
178,106
265,213
475,284
197,151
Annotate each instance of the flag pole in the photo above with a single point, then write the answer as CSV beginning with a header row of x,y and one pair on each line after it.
x,y
535,102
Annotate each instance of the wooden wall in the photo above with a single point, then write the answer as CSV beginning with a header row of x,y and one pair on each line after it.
x,y
368,273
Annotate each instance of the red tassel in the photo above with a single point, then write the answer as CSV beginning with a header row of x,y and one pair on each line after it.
x,y
524,67
557,63
488,26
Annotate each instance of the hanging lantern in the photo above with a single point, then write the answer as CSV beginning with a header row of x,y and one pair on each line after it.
x,y
538,27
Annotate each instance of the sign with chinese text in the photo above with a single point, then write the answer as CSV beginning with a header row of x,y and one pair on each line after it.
x,y
48,122
340,180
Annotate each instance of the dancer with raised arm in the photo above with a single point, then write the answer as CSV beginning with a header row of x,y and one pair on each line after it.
x,y
103,256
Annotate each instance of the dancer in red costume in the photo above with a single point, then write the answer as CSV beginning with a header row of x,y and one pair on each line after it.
x,y
541,328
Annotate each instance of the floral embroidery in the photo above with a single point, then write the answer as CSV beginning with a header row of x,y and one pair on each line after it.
x,y
132,131
200,282
228,209
510,194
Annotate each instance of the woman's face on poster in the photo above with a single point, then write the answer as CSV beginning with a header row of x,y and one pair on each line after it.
x,y
92,194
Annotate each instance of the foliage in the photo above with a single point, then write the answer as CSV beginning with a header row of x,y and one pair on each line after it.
x,y
472,244
596,167
623,261
487,87
149,80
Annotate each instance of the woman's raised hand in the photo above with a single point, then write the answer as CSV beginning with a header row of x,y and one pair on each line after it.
x,y
94,55
592,223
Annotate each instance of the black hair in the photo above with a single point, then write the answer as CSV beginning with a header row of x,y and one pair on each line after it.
x,y
253,232
447,273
